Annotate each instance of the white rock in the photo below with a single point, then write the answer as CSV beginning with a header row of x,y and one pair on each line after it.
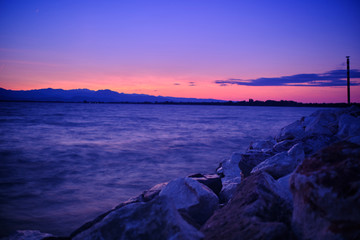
x,y
322,123
293,131
264,145
28,235
154,220
229,188
230,168
232,177
250,159
313,143
355,139
282,163
349,126
192,197
284,185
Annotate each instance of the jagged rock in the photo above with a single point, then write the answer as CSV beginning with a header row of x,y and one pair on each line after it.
x,y
284,184
157,219
228,190
263,146
257,211
250,159
282,163
326,192
293,131
349,126
212,181
285,145
230,168
355,139
28,235
192,198
146,196
153,192
314,143
231,176
322,123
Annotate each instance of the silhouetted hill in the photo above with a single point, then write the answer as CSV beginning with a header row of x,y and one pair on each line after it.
x,y
81,95
108,96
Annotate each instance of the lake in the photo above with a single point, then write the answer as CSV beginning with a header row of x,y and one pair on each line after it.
x,y
63,164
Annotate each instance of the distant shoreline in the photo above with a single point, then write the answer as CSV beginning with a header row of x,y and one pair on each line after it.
x,y
268,103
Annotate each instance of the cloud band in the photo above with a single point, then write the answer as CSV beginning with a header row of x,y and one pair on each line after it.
x,y
329,79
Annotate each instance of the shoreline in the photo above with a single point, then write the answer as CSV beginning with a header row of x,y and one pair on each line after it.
x,y
267,103
197,205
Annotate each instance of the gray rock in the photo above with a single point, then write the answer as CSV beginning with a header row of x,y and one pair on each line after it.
x,y
229,189
263,146
282,163
153,192
314,143
157,219
192,198
285,145
349,126
284,184
146,196
355,139
295,130
28,235
230,168
322,123
212,181
231,177
257,211
326,192
250,159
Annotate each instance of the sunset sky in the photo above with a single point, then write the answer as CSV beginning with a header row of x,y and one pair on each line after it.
x,y
223,49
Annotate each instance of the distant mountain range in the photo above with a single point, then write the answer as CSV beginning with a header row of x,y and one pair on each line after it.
x,y
86,95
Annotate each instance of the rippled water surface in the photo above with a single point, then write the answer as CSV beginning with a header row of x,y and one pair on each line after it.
x,y
62,164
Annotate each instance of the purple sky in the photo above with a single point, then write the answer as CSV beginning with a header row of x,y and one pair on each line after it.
x,y
180,48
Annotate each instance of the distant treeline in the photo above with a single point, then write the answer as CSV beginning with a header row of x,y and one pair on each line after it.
x,y
270,103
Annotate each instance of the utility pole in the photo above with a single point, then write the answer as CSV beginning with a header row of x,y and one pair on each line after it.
x,y
348,78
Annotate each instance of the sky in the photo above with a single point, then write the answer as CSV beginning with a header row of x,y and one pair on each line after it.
x,y
223,49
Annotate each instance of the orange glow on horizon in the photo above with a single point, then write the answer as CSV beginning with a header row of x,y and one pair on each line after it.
x,y
20,75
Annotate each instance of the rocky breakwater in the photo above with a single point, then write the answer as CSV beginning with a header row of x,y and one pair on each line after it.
x,y
302,184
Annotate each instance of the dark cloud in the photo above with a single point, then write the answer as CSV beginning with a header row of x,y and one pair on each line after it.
x,y
328,79
177,84
192,84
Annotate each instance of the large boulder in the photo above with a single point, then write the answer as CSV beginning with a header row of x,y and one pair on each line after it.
x,y
285,145
263,145
231,176
229,169
282,163
191,198
257,211
28,235
212,181
313,143
153,192
323,122
247,161
295,130
349,126
146,196
228,190
157,219
284,184
326,193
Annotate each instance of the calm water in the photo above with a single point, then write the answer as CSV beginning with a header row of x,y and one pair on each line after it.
x,y
62,164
